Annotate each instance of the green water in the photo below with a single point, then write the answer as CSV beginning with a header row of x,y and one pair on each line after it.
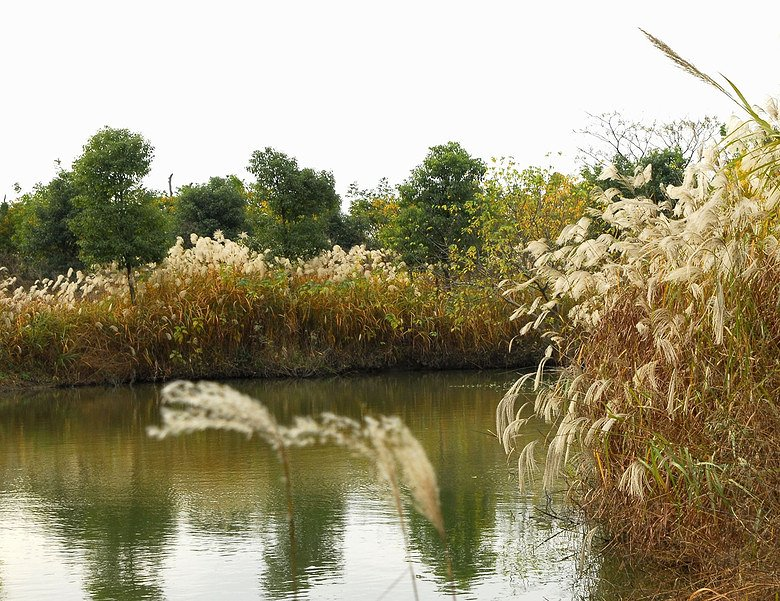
x,y
90,507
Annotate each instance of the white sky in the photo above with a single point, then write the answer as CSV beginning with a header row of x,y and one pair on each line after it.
x,y
358,88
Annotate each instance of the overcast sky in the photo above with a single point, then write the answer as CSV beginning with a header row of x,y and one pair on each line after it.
x,y
358,88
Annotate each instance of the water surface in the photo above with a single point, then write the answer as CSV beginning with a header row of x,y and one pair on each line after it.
x,y
90,507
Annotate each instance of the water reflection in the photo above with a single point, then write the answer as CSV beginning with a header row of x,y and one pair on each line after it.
x,y
107,513
319,493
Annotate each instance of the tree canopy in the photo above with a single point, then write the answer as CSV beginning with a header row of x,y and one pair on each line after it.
x,y
372,212
519,206
296,205
46,238
219,204
436,205
118,219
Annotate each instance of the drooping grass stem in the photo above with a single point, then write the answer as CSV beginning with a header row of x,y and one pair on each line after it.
x,y
397,455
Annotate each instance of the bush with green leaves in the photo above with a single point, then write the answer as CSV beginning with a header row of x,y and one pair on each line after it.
x,y
219,204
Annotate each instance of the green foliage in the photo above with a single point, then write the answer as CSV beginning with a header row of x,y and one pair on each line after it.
x,y
631,146
8,250
131,233
668,169
373,211
118,219
519,206
294,206
345,231
45,239
436,206
113,164
18,220
12,220
6,229
369,220
203,209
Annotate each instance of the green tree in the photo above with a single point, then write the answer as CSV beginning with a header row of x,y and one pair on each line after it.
x,y
46,239
436,206
345,231
17,220
296,205
372,212
631,146
523,205
219,204
118,219
7,228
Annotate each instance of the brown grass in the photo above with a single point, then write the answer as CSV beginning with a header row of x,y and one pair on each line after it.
x,y
223,323
666,420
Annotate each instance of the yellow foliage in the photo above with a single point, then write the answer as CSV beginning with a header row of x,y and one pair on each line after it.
x,y
523,205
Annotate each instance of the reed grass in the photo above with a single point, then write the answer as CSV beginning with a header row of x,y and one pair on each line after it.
x,y
665,419
398,457
218,310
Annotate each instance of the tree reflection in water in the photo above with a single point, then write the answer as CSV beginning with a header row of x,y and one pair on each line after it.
x,y
137,516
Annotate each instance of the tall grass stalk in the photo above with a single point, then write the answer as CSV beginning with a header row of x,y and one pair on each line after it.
x,y
666,319
188,407
398,457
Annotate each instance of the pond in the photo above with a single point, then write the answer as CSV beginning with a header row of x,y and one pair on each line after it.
x,y
91,507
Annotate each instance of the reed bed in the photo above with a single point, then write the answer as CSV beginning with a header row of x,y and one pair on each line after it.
x,y
665,419
218,310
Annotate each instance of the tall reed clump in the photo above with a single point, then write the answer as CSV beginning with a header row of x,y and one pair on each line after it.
x,y
667,319
217,310
386,442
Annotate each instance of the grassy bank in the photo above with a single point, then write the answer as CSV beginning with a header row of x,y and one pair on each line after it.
x,y
217,310
666,421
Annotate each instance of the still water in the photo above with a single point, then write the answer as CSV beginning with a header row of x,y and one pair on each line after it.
x,y
92,508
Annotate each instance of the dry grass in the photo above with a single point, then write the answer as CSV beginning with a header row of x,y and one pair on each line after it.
x,y
217,310
666,419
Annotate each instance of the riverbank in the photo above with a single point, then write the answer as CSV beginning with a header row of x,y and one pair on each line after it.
x,y
670,334
217,311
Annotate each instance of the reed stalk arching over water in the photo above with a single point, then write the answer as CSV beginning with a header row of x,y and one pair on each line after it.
x,y
666,319
386,442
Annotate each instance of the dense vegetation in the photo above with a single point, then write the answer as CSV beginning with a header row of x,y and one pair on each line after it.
x,y
453,213
218,309
653,277
209,290
666,318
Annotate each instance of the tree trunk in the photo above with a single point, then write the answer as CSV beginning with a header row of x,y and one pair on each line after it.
x,y
130,282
